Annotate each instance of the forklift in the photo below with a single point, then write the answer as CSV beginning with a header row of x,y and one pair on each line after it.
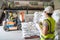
x,y
12,21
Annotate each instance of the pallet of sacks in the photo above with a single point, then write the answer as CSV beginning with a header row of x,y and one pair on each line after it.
x,y
30,31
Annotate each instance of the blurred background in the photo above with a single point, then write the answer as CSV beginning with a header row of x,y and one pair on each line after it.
x,y
18,18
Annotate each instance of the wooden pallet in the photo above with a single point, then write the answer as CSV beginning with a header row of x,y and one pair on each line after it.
x,y
32,37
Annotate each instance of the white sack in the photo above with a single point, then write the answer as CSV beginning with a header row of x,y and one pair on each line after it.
x,y
56,15
37,16
29,29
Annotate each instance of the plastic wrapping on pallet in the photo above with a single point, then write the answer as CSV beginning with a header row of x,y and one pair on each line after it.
x,y
29,17
29,29
56,16
57,37
37,16
42,17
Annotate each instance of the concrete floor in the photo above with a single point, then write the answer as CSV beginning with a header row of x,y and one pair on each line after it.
x,y
12,35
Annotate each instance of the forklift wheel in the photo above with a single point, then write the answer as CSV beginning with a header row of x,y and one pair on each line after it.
x,y
5,28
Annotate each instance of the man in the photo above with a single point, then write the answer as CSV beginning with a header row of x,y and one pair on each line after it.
x,y
17,21
11,16
48,25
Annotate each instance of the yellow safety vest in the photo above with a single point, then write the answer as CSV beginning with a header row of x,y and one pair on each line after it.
x,y
51,29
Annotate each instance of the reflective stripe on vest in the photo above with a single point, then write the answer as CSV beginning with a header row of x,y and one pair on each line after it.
x,y
47,38
50,32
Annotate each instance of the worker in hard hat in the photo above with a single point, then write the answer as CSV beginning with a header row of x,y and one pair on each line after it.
x,y
48,25
11,16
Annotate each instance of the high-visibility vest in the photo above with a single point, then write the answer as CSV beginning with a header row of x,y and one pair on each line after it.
x,y
51,29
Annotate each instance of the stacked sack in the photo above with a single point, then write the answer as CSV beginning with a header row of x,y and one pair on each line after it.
x,y
56,16
29,17
29,29
37,17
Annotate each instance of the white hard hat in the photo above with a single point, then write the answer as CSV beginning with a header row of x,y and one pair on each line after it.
x,y
49,9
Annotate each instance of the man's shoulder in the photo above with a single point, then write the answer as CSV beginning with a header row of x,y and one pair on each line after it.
x,y
45,23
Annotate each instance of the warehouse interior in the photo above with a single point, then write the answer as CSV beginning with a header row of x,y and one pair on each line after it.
x,y
19,19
